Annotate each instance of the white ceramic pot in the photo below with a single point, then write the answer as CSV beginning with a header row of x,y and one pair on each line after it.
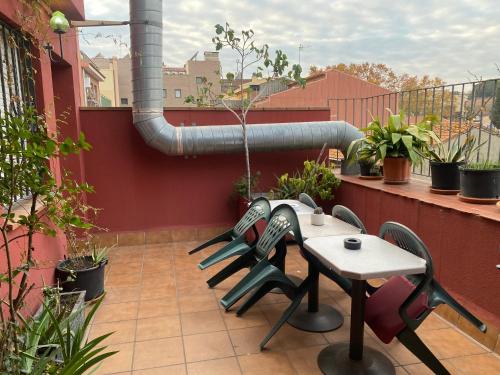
x,y
318,219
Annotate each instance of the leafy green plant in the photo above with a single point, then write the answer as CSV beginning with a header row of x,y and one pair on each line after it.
x,y
240,186
316,179
455,154
396,140
484,165
27,148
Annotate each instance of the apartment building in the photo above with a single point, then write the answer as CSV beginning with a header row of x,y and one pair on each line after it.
x,y
181,82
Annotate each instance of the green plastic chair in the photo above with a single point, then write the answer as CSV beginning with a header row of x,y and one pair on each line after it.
x,y
346,215
259,209
401,304
265,276
307,200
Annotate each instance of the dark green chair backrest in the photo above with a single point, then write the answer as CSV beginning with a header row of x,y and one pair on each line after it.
x,y
407,240
346,215
307,200
260,209
283,220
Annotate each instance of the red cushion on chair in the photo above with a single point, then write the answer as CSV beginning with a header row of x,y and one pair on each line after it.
x,y
382,308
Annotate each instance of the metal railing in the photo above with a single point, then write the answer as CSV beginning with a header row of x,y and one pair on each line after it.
x,y
460,109
17,87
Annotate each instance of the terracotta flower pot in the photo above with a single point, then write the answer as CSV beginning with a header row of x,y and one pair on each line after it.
x,y
397,170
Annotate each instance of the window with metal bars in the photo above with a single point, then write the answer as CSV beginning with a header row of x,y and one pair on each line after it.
x,y
17,88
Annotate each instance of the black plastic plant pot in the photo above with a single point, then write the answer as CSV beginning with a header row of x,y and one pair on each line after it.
x,y
480,183
445,176
365,169
90,279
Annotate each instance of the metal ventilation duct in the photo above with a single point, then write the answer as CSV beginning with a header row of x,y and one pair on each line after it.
x,y
146,49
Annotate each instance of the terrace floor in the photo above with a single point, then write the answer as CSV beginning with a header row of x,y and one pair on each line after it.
x,y
167,321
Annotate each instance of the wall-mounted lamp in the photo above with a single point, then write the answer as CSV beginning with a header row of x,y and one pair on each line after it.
x,y
60,25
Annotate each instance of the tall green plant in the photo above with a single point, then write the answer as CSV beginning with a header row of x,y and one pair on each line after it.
x,y
248,54
27,148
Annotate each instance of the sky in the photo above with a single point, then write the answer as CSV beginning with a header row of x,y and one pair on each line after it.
x,y
445,38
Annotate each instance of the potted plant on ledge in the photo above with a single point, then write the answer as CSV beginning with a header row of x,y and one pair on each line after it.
x,y
397,145
480,182
444,164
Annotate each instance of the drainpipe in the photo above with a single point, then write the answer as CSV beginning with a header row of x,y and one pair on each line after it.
x,y
146,50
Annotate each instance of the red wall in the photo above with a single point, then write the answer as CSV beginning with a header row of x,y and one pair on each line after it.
x,y
464,246
55,94
139,188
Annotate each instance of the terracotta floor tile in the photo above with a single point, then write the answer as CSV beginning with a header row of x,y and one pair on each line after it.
x,y
158,353
160,281
433,321
119,362
121,294
268,363
448,342
252,318
169,370
158,327
207,346
399,352
421,369
247,340
225,366
305,360
198,302
165,292
121,280
124,331
482,364
202,322
157,307
288,338
116,312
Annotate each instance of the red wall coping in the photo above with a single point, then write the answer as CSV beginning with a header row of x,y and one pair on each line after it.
x,y
418,189
167,109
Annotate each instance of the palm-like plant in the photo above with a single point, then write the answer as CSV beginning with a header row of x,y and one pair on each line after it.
x,y
457,153
396,140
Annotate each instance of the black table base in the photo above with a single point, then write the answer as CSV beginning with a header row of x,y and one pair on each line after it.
x,y
325,319
335,360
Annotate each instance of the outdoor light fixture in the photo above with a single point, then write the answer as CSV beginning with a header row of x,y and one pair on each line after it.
x,y
60,25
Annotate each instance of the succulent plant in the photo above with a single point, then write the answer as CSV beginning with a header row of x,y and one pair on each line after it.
x,y
318,211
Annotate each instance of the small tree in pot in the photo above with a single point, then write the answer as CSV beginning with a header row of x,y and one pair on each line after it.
x,y
396,144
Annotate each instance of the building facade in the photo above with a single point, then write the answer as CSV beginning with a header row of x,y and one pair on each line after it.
x,y
91,83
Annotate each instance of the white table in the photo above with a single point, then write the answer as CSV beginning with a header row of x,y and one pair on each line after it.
x,y
299,207
376,258
313,316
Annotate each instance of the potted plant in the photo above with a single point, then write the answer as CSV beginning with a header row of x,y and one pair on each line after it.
x,y
444,164
316,179
397,145
84,268
240,190
318,217
480,182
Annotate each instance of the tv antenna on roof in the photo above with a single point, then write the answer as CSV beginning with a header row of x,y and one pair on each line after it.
x,y
194,56
301,47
